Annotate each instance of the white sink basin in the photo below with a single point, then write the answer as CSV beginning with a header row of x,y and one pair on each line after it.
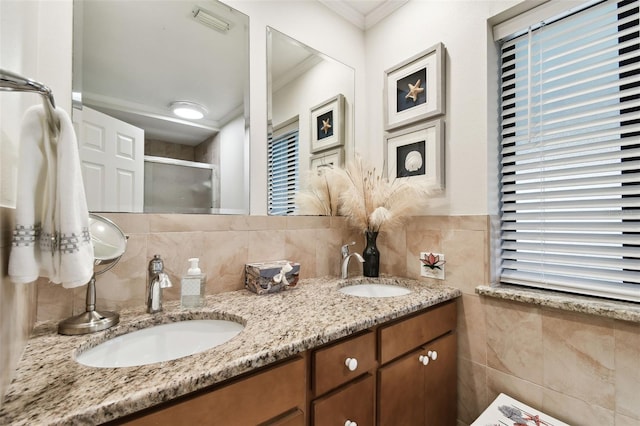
x,y
374,290
160,343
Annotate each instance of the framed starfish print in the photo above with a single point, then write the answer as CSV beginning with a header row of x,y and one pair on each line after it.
x,y
414,89
327,124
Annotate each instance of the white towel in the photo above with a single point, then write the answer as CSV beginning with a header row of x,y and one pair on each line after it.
x,y
51,238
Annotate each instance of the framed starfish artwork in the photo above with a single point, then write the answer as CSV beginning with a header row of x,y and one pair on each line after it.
x,y
417,152
327,124
415,89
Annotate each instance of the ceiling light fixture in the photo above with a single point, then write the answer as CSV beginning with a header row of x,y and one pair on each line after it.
x,y
210,20
188,110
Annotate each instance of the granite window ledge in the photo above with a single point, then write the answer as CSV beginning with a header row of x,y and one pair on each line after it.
x,y
625,311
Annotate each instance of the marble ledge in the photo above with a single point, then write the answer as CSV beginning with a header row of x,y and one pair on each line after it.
x,y
624,311
51,388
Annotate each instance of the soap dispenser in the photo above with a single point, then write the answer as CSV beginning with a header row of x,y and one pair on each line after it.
x,y
192,286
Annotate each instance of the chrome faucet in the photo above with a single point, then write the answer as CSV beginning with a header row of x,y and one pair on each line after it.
x,y
346,256
157,279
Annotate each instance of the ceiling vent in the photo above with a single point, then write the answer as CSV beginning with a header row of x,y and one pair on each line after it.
x,y
210,19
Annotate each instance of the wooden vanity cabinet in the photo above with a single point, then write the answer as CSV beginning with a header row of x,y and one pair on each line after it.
x,y
419,387
273,396
404,374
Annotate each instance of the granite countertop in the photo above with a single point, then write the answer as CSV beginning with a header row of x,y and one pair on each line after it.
x,y
50,388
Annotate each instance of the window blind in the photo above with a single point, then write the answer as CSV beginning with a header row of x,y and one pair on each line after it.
x,y
570,153
283,170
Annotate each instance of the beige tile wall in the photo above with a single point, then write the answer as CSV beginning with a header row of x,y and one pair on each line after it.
x,y
580,368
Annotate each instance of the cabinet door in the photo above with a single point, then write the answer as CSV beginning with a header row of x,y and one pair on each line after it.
x,y
401,392
354,402
441,381
248,401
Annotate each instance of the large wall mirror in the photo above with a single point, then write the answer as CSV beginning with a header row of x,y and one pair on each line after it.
x,y
136,65
310,117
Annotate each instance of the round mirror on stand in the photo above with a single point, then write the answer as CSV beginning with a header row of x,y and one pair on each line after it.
x,y
109,244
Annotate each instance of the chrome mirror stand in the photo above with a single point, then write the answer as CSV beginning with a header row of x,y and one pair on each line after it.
x,y
110,242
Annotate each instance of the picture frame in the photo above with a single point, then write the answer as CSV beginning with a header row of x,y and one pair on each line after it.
x,y
330,158
417,152
404,102
327,124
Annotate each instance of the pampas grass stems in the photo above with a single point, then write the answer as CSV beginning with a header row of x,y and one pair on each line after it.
x,y
368,200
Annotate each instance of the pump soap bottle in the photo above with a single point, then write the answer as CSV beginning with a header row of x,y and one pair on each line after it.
x,y
192,286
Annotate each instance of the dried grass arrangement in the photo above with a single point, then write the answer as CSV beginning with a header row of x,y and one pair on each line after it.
x,y
369,200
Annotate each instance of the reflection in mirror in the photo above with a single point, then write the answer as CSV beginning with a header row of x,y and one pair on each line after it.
x,y
310,117
132,61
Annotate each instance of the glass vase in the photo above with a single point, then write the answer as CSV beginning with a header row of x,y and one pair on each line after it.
x,y
371,255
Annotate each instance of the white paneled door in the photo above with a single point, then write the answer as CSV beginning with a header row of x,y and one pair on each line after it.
x,y
112,157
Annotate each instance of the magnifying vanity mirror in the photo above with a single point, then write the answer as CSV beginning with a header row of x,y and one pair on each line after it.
x,y
109,244
133,62
306,89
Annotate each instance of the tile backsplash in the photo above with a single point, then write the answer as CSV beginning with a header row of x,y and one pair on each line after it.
x,y
224,245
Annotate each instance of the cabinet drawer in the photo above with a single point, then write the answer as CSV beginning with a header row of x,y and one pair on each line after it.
x,y
250,400
406,335
329,368
354,402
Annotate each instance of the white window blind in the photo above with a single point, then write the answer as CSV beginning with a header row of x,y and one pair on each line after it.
x,y
570,153
283,169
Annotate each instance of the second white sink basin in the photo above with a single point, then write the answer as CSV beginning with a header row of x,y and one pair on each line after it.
x,y
374,290
160,343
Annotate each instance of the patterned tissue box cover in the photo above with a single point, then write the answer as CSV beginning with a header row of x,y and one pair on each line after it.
x,y
266,277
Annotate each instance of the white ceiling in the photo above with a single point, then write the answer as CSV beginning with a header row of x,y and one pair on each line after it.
x,y
133,67
136,60
363,13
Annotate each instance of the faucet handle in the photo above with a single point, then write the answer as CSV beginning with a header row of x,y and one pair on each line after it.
x,y
156,265
345,249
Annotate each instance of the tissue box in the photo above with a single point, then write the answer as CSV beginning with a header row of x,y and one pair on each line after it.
x,y
266,277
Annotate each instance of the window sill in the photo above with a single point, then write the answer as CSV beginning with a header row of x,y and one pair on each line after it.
x,y
625,311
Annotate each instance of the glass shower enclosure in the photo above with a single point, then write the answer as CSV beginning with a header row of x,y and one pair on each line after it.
x,y
179,186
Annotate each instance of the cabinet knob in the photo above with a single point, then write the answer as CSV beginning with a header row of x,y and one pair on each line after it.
x,y
351,364
433,355
350,423
423,359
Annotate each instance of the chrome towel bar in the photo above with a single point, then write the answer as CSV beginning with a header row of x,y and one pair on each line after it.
x,y
13,82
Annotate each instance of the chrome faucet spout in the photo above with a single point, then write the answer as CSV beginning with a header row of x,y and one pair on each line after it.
x,y
157,279
346,257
